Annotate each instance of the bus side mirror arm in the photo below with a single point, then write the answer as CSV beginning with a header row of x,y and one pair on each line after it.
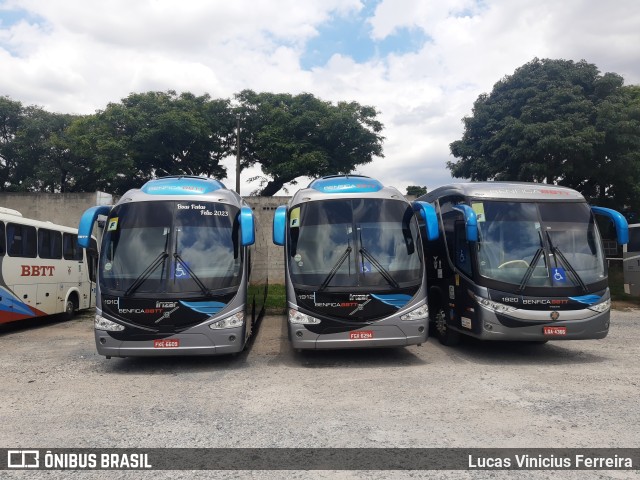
x,y
622,227
280,225
470,221
87,221
428,214
247,226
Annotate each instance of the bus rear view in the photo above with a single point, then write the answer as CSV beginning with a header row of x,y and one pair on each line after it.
x,y
354,267
518,262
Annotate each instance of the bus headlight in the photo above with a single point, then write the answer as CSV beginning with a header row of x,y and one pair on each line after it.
x,y
417,314
494,306
102,323
601,307
236,320
300,318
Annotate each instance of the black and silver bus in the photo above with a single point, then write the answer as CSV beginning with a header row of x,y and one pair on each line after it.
x,y
174,270
517,261
354,267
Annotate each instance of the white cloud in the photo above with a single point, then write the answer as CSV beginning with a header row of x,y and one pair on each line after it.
x,y
76,56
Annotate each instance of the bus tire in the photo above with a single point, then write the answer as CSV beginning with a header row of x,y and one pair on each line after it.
x,y
69,309
446,336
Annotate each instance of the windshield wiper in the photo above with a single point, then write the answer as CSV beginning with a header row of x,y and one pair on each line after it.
x,y
147,273
335,268
530,269
566,263
196,279
387,276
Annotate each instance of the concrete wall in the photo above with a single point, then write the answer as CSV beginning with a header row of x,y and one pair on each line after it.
x,y
60,208
67,208
271,256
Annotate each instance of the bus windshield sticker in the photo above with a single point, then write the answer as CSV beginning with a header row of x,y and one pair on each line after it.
x,y
559,275
113,224
294,218
180,271
478,208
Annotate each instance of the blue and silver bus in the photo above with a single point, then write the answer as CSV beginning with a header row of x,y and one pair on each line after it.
x,y
354,267
174,270
518,261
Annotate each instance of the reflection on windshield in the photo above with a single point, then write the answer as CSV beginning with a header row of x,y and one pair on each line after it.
x,y
511,235
202,248
354,242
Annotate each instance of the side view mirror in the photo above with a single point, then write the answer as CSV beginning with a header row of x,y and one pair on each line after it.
x,y
247,226
280,225
430,218
86,223
621,224
470,221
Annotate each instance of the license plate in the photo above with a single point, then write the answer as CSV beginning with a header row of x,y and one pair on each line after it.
x,y
555,330
361,335
173,343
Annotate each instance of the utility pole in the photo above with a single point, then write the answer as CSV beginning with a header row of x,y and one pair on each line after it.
x,y
238,153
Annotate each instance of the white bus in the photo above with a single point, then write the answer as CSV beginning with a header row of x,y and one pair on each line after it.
x,y
43,270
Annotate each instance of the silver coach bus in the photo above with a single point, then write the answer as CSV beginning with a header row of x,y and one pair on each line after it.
x,y
174,273
517,261
354,269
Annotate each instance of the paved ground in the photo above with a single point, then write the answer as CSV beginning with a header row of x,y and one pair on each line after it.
x,y
57,392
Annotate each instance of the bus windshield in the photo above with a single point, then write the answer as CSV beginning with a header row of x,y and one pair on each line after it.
x,y
186,247
538,244
354,243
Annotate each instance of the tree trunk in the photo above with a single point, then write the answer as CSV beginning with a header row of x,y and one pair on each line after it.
x,y
272,187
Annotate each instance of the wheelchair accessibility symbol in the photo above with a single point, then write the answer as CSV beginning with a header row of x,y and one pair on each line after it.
x,y
559,275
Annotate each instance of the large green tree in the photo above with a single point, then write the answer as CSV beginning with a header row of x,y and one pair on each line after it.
x,y
155,134
11,116
293,136
553,121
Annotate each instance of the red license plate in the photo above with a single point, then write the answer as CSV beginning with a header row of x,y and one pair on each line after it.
x,y
555,330
361,335
173,343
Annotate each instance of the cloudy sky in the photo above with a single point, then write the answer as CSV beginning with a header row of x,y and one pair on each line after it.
x,y
421,63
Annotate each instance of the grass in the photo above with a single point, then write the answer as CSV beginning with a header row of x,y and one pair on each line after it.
x,y
276,299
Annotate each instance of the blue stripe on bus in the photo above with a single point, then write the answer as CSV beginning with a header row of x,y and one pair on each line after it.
x,y
9,303
208,308
398,300
586,299
346,185
181,186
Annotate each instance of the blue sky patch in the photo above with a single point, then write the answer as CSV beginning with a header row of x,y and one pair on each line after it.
x,y
9,17
351,36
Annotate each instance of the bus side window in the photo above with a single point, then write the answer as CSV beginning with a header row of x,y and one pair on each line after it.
x,y
71,249
92,259
462,251
450,219
3,244
49,244
22,240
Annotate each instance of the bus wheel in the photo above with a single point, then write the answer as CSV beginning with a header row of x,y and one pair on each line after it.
x,y
70,309
446,336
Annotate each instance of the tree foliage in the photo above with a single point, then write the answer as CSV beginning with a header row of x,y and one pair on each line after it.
x,y
416,190
294,136
555,121
152,134
155,134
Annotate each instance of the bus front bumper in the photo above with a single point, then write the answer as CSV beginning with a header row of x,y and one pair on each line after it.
x,y
225,341
370,336
572,325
